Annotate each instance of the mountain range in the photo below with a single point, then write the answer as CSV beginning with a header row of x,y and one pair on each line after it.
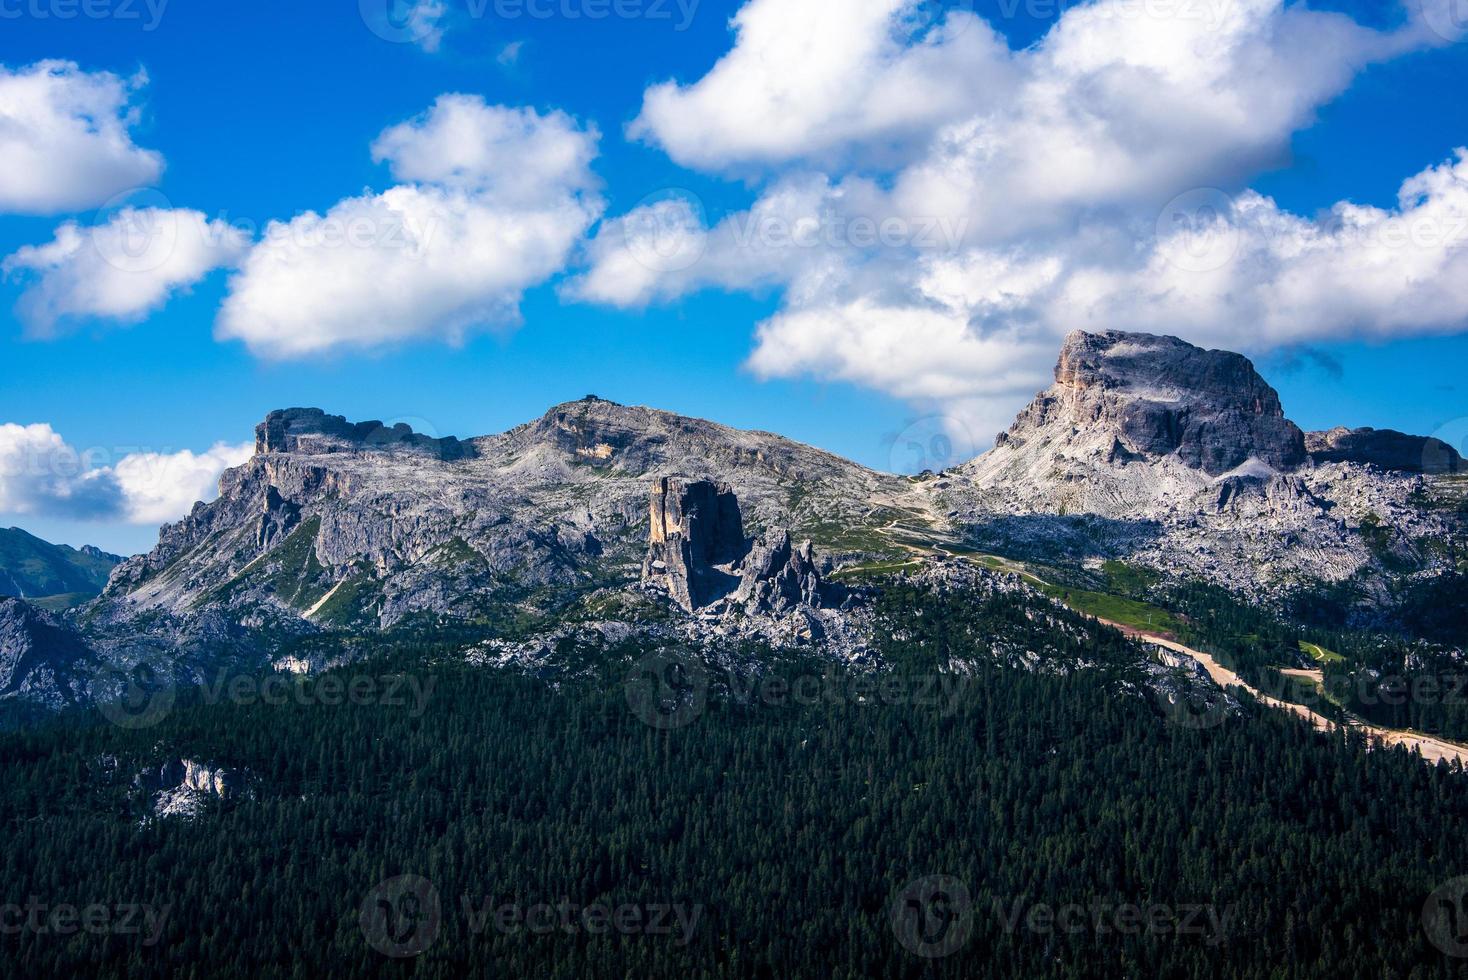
x,y
600,519
51,575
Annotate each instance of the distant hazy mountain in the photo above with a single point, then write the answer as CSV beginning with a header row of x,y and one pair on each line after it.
x,y
52,575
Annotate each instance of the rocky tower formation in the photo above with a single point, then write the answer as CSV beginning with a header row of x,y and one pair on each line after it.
x,y
1159,396
696,536
1139,426
697,552
778,576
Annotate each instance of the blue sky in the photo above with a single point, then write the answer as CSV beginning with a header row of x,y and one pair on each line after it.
x,y
262,111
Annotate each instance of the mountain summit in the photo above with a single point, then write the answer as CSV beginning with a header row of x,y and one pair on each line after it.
x,y
1140,395
1182,458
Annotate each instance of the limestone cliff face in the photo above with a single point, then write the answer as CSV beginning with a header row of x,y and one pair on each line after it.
x,y
1384,448
197,777
778,576
43,662
1152,449
310,431
334,524
183,788
1183,455
1159,396
695,535
698,553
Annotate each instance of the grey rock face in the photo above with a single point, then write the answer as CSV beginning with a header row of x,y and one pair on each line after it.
x,y
182,788
1169,455
697,552
695,528
1150,449
1385,448
1159,396
42,661
340,525
217,781
311,431
777,577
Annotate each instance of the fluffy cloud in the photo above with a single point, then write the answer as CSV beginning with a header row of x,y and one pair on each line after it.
x,y
1250,274
512,156
66,141
493,201
121,270
161,487
1009,196
663,249
41,474
1121,102
975,330
812,79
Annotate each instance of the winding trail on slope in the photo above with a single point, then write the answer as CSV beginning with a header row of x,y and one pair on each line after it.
x,y
1432,749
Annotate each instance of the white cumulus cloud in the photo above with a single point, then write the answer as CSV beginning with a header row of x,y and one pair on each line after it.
x,y
993,199
161,487
810,79
493,201
976,329
122,269
66,138
42,474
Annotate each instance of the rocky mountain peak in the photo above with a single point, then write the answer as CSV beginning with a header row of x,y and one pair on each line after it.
x,y
1151,397
310,431
1384,448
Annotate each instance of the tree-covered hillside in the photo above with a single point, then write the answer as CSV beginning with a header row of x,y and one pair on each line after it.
x,y
807,822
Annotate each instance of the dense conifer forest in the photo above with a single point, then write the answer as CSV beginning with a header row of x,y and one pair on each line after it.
x,y
804,822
